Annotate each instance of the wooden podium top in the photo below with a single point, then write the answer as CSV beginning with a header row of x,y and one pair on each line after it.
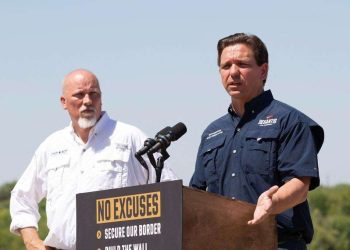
x,y
212,221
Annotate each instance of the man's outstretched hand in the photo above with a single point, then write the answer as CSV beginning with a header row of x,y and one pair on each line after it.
x,y
264,206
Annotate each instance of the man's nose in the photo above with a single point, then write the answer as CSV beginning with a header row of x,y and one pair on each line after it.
x,y
87,100
234,70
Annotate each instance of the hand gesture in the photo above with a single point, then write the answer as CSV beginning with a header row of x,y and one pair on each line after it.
x,y
264,206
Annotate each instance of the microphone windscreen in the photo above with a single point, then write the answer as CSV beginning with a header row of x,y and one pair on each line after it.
x,y
177,131
164,131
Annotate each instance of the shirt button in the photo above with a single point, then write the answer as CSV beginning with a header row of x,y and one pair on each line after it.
x,y
234,151
82,171
253,111
233,198
84,149
233,174
238,129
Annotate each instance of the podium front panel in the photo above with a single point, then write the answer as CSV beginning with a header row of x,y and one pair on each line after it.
x,y
211,221
133,218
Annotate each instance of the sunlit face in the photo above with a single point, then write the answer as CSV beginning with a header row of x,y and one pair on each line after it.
x,y
240,75
82,99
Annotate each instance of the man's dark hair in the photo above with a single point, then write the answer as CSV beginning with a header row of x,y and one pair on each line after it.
x,y
253,42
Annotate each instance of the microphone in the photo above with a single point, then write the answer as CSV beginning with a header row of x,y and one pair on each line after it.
x,y
149,142
166,136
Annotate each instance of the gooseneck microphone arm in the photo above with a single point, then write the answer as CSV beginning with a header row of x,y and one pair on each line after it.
x,y
149,142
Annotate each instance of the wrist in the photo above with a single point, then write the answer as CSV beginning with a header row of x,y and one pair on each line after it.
x,y
274,204
32,242
31,238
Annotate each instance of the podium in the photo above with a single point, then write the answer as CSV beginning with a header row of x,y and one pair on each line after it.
x,y
168,215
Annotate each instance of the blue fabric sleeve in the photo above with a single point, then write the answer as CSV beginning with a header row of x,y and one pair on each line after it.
x,y
297,155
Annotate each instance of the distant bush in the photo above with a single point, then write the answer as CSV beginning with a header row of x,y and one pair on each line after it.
x,y
330,210
5,190
9,241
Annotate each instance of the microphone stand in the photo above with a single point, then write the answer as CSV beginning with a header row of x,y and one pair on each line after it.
x,y
160,163
158,166
162,140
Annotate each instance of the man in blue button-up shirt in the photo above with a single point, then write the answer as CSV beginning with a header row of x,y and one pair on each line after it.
x,y
262,151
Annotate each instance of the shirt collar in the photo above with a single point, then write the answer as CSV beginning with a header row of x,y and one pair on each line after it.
x,y
100,124
255,105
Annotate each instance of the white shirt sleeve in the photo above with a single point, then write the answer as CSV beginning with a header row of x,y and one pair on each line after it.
x,y
25,196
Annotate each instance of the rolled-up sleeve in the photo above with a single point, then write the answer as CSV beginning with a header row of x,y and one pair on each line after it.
x,y
25,196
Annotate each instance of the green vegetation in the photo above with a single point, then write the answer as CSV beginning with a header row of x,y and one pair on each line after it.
x,y
330,207
9,241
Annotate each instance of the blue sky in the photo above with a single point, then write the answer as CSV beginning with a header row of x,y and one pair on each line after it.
x,y
156,62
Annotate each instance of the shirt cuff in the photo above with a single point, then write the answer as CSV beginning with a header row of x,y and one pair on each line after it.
x,y
22,221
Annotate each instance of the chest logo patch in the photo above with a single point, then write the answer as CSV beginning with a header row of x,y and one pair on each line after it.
x,y
121,146
217,132
270,120
59,152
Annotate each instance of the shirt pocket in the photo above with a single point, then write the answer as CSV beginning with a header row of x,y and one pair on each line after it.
x,y
259,151
110,168
210,162
57,169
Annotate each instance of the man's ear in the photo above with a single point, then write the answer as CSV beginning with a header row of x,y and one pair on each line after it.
x,y
264,70
63,102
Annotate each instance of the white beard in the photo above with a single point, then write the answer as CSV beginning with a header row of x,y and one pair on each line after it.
x,y
86,123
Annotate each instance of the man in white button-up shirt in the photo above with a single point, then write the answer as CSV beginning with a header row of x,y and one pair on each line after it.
x,y
93,153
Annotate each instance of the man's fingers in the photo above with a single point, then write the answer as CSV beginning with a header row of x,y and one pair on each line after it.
x,y
255,221
252,222
272,190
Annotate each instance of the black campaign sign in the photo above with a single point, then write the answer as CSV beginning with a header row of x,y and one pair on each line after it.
x,y
143,217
